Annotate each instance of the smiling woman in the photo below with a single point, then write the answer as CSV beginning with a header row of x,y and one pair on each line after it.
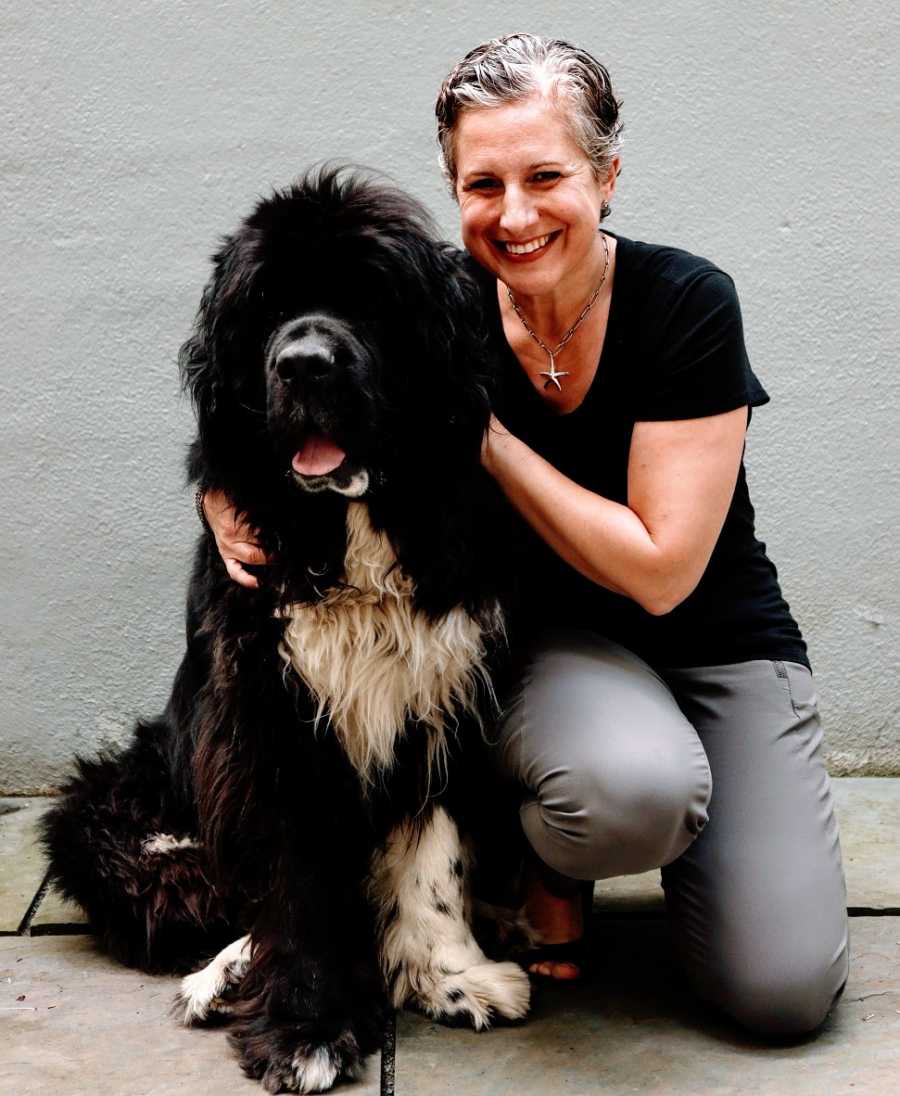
x,y
662,661
665,713
530,201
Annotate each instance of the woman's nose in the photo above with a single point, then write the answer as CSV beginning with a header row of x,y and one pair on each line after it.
x,y
518,211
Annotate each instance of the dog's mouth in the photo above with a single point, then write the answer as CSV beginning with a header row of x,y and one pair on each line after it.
x,y
320,464
318,456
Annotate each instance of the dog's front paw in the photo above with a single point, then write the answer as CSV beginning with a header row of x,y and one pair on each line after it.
x,y
275,1058
476,996
205,992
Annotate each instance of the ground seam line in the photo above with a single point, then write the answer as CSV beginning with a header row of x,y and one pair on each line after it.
x,y
24,928
388,1051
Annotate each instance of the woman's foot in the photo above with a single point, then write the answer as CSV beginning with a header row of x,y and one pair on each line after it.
x,y
560,921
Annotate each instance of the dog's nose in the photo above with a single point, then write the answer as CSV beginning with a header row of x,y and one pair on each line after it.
x,y
309,358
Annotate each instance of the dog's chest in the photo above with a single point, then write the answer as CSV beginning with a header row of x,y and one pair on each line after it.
x,y
374,663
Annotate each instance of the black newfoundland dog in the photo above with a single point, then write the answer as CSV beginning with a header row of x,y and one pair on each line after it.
x,y
310,783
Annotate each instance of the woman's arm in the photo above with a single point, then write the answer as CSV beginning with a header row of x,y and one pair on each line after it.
x,y
234,538
681,479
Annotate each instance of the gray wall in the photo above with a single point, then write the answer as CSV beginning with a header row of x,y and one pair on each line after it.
x,y
764,136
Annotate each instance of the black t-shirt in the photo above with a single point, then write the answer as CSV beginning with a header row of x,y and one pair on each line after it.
x,y
674,349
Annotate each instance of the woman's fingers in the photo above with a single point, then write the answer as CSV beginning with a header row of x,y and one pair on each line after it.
x,y
235,553
234,538
238,574
245,551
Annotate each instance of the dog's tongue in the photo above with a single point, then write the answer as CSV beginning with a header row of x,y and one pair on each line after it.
x,y
318,456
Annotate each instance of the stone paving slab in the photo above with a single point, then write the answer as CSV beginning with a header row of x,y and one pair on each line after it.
x,y
22,866
88,1025
85,1025
629,894
636,1029
868,810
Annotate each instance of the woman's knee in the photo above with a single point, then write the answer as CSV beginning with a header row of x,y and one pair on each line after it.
x,y
781,996
619,815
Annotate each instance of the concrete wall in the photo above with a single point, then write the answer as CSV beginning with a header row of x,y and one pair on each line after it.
x,y
764,136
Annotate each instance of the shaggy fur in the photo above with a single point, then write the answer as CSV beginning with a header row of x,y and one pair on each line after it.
x,y
306,788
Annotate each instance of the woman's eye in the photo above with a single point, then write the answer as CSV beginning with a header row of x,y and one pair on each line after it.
x,y
482,184
546,176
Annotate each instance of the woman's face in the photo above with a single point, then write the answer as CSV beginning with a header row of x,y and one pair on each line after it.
x,y
529,198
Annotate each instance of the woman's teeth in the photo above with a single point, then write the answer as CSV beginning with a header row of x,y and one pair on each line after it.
x,y
524,249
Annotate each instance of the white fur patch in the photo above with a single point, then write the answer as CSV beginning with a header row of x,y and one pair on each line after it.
x,y
165,842
373,661
358,485
201,992
354,488
428,953
316,1071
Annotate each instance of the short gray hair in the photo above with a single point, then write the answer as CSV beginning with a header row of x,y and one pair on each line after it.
x,y
517,66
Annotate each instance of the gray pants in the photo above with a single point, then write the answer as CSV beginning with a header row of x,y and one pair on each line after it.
x,y
713,773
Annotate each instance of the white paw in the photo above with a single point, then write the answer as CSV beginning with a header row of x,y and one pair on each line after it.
x,y
478,994
315,1071
315,1068
201,992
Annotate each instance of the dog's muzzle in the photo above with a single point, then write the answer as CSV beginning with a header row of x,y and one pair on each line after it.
x,y
313,365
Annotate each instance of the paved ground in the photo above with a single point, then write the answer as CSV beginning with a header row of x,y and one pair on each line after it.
x,y
72,1021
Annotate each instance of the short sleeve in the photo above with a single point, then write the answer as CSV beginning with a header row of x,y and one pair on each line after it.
x,y
693,359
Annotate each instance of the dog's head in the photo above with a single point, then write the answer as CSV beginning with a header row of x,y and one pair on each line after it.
x,y
337,348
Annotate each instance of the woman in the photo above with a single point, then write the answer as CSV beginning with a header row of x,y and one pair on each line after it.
x,y
666,715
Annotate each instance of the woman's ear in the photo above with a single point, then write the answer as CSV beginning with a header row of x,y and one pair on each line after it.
x,y
609,182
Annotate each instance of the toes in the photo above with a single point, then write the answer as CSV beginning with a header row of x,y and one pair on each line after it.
x,y
565,972
562,972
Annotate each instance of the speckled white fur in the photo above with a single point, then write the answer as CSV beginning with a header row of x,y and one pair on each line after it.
x,y
429,956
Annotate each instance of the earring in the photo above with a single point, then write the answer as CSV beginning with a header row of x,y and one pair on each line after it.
x,y
604,209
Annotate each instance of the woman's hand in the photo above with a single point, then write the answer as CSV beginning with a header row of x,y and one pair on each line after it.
x,y
234,538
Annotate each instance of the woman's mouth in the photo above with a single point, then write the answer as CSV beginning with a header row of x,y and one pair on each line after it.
x,y
527,250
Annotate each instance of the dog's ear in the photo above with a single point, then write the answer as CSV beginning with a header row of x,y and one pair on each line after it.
x,y
219,365
457,365
200,381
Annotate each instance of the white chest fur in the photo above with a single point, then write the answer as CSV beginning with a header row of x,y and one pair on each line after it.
x,y
373,662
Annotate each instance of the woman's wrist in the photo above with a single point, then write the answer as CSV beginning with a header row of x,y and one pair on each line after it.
x,y
497,440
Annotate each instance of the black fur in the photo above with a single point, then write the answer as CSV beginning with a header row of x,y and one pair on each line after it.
x,y
286,831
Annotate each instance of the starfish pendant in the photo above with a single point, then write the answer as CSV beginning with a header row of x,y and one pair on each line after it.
x,y
552,375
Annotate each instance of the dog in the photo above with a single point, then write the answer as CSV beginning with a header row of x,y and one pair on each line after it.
x,y
316,775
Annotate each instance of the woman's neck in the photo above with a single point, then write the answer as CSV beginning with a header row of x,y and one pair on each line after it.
x,y
551,314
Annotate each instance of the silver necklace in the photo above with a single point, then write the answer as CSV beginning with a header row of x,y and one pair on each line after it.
x,y
553,374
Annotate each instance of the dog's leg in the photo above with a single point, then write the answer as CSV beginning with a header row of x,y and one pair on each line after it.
x,y
203,992
429,956
309,1007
